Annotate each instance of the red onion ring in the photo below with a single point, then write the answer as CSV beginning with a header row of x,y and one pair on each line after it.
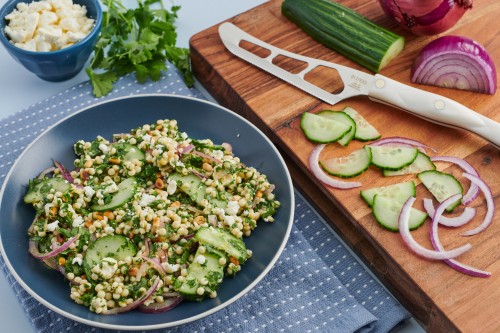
x,y
186,149
46,172
458,221
404,230
324,178
33,249
436,244
490,204
473,189
155,262
401,140
208,157
137,302
227,147
64,172
169,304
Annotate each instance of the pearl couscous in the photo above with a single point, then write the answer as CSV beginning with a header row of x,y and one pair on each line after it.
x,y
141,218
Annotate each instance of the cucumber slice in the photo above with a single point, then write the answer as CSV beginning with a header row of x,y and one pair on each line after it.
x,y
117,247
393,158
322,130
343,118
210,270
38,191
442,186
399,192
421,163
364,130
350,165
126,191
129,152
223,240
197,190
386,212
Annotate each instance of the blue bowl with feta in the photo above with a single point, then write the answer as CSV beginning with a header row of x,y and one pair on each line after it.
x,y
51,38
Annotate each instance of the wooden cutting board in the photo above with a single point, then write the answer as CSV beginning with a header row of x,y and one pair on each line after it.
x,y
442,299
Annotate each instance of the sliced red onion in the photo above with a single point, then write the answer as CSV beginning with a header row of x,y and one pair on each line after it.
x,y
51,263
64,172
186,149
458,221
33,249
473,189
167,305
155,262
198,174
490,204
227,147
427,17
208,157
436,244
46,172
455,62
402,141
320,174
404,230
137,302
147,245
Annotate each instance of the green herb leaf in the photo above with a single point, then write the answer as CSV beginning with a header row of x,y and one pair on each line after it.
x,y
102,83
139,40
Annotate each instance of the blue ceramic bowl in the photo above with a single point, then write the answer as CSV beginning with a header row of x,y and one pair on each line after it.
x,y
57,65
200,120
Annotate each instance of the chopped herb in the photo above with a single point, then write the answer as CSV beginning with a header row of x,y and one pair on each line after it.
x,y
139,40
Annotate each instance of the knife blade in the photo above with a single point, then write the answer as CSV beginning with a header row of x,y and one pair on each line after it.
x,y
429,106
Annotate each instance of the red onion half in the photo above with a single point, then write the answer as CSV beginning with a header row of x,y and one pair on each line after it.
x,y
426,17
319,173
404,230
455,62
436,244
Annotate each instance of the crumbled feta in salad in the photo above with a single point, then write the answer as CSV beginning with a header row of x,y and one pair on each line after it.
x,y
147,219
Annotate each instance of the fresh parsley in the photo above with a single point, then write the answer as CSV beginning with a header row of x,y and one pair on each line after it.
x,y
139,40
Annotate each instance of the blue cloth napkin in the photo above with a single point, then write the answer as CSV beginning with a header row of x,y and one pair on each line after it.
x,y
317,285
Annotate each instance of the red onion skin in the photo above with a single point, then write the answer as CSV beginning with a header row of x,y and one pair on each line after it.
x,y
426,17
447,59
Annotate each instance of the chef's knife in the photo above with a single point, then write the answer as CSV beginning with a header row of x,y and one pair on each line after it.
x,y
432,107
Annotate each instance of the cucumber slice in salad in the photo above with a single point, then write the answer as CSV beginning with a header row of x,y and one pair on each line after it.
x,y
42,188
197,190
364,130
223,240
322,130
208,275
421,163
442,186
345,119
129,151
387,210
117,247
350,165
399,192
392,158
126,191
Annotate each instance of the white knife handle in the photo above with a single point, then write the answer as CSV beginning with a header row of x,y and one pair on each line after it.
x,y
433,107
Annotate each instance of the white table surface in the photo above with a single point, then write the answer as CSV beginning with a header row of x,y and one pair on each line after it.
x,y
19,89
